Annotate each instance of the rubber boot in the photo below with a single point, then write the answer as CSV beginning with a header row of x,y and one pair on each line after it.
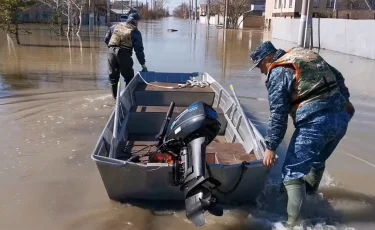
x,y
114,91
296,190
313,180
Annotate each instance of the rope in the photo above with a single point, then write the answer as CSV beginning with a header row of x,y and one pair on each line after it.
x,y
189,83
192,83
147,83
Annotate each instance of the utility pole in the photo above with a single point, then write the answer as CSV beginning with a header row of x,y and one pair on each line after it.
x,y
108,13
308,32
189,12
184,11
226,14
335,9
192,11
302,24
195,10
208,12
91,18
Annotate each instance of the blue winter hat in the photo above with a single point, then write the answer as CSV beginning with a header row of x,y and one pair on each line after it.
x,y
261,52
134,17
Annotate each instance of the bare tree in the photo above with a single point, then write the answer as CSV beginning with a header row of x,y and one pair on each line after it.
x,y
9,11
71,9
68,4
236,9
155,12
79,4
181,11
162,4
56,6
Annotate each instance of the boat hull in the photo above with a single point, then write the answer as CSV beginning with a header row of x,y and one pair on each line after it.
x,y
127,180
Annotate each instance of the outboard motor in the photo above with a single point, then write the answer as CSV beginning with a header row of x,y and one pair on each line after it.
x,y
188,138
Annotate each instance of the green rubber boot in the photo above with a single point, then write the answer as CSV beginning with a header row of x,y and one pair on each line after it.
x,y
313,180
296,190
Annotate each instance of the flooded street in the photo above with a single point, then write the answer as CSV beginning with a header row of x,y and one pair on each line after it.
x,y
55,101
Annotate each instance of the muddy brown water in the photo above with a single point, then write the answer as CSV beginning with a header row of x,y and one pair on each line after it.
x,y
55,101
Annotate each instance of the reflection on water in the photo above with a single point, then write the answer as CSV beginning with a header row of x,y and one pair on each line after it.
x,y
44,62
54,102
82,60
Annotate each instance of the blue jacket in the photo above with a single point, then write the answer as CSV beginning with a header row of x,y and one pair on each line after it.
x,y
280,85
136,40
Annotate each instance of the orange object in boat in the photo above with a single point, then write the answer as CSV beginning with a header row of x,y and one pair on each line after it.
x,y
161,158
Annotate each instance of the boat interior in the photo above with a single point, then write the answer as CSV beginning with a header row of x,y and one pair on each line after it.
x,y
148,114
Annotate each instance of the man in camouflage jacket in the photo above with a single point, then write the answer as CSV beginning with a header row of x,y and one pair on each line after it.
x,y
302,84
121,39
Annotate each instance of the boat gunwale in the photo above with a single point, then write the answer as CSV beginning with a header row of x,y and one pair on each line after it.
x,y
256,131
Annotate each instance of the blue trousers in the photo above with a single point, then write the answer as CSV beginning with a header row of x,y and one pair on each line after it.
x,y
312,144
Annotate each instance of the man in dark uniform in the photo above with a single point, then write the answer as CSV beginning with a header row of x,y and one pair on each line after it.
x,y
302,84
121,39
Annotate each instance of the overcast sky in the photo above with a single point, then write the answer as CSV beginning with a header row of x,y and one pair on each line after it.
x,y
174,3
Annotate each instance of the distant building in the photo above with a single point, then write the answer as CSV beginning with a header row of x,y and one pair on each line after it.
x,y
349,9
253,17
118,4
39,13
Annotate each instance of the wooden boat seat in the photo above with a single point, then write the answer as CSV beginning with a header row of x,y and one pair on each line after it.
x,y
153,87
150,95
156,109
218,151
229,153
148,119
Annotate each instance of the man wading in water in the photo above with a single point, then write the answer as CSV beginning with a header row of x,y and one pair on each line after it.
x,y
301,83
121,39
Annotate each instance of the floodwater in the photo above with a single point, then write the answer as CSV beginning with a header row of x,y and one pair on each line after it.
x,y
55,101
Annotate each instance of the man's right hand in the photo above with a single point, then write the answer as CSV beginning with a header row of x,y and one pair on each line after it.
x,y
349,108
144,68
269,158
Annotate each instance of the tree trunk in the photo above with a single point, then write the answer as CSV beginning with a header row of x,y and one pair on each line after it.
x,y
17,33
69,20
79,20
235,23
14,21
59,17
61,27
243,17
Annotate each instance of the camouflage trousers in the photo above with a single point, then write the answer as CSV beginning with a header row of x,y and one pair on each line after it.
x,y
313,143
120,61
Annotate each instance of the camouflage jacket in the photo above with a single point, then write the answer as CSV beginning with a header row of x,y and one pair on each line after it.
x,y
127,36
283,89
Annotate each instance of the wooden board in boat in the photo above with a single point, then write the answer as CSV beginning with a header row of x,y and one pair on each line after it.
x,y
218,151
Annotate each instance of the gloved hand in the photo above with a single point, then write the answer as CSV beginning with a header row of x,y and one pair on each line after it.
x,y
144,68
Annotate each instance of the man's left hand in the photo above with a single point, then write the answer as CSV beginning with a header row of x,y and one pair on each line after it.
x,y
269,158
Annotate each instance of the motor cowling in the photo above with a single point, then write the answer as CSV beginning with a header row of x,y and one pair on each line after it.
x,y
198,120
